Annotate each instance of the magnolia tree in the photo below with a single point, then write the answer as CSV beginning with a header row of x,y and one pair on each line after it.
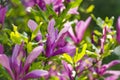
x,y
56,45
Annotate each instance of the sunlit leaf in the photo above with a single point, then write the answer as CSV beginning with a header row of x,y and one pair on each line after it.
x,y
68,58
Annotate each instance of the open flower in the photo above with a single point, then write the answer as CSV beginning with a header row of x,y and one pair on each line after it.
x,y
58,5
80,29
56,43
33,25
103,39
68,70
102,70
31,3
14,65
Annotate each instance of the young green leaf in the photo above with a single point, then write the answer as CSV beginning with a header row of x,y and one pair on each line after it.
x,y
68,58
79,56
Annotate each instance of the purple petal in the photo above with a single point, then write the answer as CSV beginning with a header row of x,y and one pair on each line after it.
x,y
49,48
58,5
81,28
113,72
71,34
103,40
32,25
32,56
118,30
18,54
113,77
51,31
68,69
112,63
62,33
106,66
70,49
15,53
1,49
38,37
35,74
41,4
4,61
68,1
48,1
2,14
62,42
28,3
73,11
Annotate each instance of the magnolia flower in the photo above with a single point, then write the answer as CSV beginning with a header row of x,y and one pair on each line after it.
x,y
2,14
31,3
102,70
114,75
118,29
33,25
80,29
73,11
69,70
55,43
58,5
103,39
18,69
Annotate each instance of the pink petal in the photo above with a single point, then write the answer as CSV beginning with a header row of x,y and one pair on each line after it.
x,y
32,25
35,74
51,31
4,61
32,56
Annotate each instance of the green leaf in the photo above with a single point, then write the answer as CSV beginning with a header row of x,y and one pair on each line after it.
x,y
54,78
16,37
79,56
68,58
29,47
92,54
62,17
75,3
90,8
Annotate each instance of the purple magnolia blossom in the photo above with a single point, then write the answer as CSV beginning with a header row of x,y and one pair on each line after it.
x,y
33,25
2,14
73,11
114,75
80,29
83,64
103,39
58,5
118,30
68,70
18,69
102,69
56,43
31,3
